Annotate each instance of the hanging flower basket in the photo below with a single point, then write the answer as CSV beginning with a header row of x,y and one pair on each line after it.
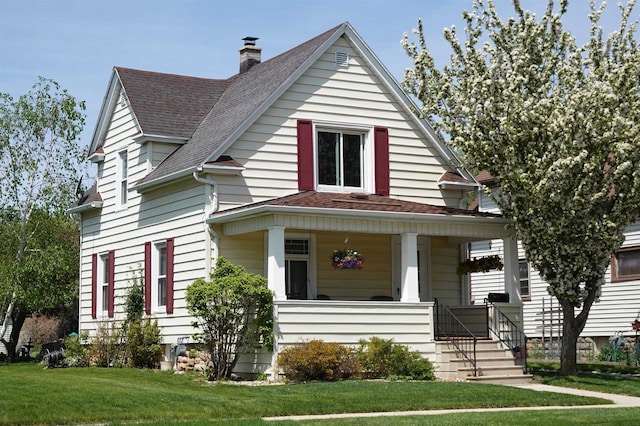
x,y
347,259
481,264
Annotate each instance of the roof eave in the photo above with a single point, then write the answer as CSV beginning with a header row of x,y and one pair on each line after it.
x,y
144,138
85,207
163,181
459,186
222,217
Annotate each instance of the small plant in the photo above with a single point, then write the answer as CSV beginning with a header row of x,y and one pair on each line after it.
x,y
193,353
143,344
76,352
318,360
381,358
105,348
347,259
481,264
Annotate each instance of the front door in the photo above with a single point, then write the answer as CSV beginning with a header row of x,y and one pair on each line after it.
x,y
296,278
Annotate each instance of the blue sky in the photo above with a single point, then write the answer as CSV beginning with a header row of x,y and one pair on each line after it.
x,y
78,42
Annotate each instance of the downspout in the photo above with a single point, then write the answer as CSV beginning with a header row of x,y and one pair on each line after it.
x,y
211,243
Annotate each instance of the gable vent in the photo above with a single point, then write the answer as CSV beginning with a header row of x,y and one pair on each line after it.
x,y
342,59
123,99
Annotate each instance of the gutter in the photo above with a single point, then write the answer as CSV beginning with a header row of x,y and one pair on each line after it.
x,y
85,207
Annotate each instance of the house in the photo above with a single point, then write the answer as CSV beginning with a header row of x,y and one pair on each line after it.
x,y
275,168
618,307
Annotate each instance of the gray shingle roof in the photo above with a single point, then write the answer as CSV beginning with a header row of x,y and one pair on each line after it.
x,y
244,94
169,104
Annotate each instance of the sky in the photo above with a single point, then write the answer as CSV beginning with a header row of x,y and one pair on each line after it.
x,y
78,42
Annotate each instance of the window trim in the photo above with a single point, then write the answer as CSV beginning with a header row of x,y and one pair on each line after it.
x,y
527,297
122,179
156,250
367,166
614,265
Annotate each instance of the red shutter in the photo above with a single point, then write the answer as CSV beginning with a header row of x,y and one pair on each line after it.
x,y
94,285
381,152
305,156
169,275
147,277
111,283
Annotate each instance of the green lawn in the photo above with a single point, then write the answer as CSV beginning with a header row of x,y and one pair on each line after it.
x,y
32,395
621,380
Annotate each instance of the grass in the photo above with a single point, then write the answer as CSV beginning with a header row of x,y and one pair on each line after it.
x,y
592,376
32,395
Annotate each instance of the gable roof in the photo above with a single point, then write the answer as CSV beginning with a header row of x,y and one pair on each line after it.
x,y
169,104
206,116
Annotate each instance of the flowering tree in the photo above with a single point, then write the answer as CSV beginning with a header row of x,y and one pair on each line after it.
x,y
39,169
557,124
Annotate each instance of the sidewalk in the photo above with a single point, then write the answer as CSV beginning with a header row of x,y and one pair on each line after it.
x,y
618,402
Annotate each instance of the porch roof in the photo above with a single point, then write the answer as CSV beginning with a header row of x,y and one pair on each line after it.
x,y
330,211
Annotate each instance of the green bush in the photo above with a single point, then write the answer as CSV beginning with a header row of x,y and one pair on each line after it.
x,y
318,360
75,354
381,358
234,313
143,344
105,349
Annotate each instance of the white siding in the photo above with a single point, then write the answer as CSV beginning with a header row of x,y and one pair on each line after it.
x,y
350,96
174,211
347,322
619,303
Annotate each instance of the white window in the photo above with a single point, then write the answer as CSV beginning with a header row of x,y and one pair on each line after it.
x,y
103,283
525,288
344,159
122,173
159,282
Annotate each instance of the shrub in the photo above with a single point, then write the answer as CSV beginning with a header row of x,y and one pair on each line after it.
x,y
42,329
105,348
381,358
234,314
76,353
318,360
143,344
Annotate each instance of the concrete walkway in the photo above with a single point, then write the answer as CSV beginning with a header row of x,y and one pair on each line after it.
x,y
618,402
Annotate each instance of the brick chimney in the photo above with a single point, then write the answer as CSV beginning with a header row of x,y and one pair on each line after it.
x,y
249,54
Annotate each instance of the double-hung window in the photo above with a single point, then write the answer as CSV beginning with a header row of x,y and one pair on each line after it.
x,y
161,281
158,276
341,159
104,283
525,288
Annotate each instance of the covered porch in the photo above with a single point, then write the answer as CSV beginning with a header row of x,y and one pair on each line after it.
x,y
410,253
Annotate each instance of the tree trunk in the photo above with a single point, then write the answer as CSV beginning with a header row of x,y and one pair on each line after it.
x,y
11,344
570,333
7,315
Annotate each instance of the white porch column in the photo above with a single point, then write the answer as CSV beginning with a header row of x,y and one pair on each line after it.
x,y
409,267
511,269
275,262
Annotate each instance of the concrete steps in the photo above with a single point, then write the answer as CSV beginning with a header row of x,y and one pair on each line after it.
x,y
494,364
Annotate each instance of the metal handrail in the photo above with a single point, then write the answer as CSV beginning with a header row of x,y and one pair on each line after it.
x,y
509,334
450,328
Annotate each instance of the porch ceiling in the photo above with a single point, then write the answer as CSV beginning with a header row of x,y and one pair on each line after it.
x,y
359,213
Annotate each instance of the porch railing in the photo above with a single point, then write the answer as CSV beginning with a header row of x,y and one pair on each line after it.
x,y
448,327
509,334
